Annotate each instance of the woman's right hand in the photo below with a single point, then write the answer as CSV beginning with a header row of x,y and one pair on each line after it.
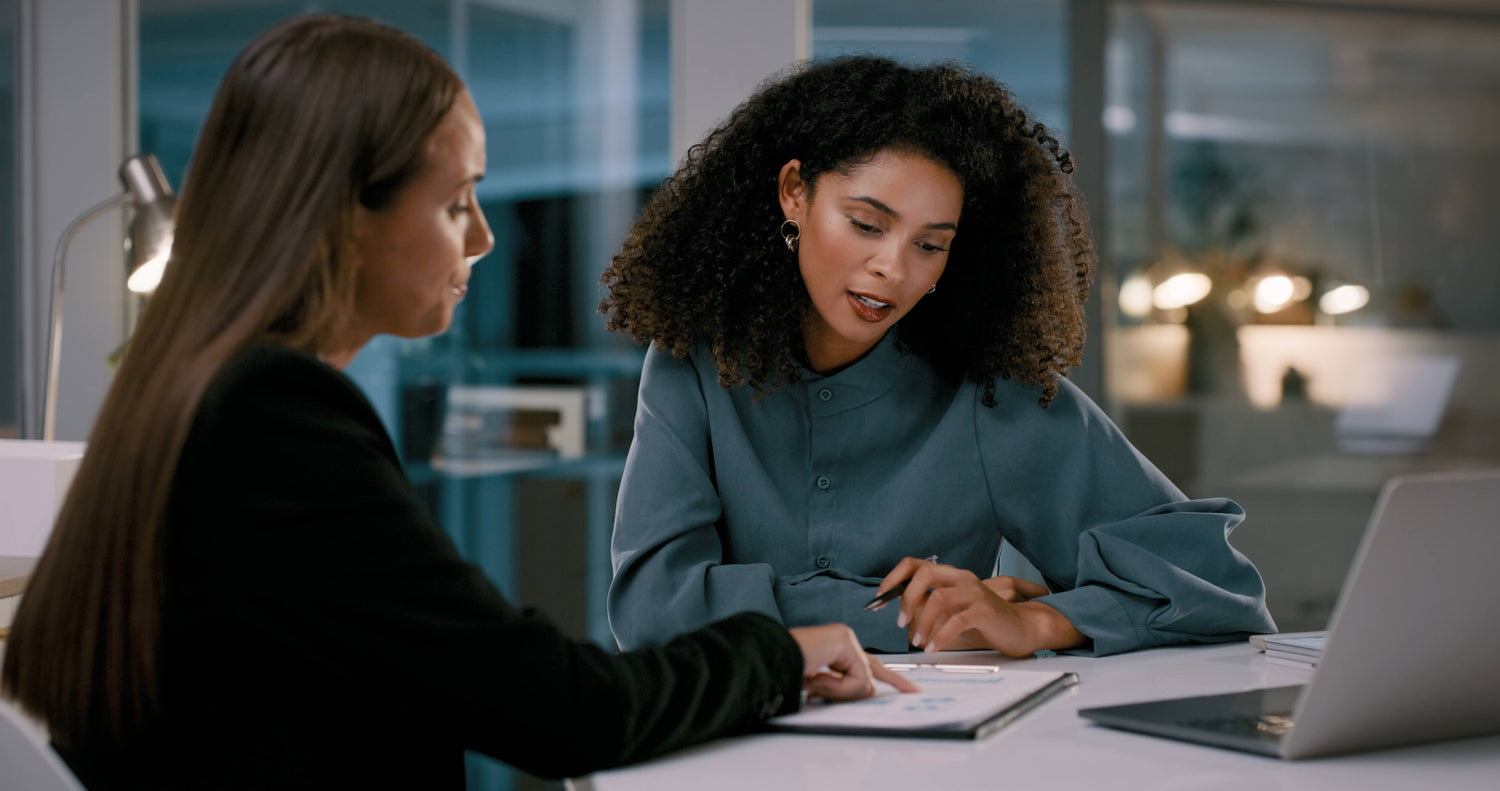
x,y
948,608
1014,589
835,667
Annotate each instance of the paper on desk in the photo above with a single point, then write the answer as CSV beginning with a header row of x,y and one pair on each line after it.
x,y
947,700
1307,644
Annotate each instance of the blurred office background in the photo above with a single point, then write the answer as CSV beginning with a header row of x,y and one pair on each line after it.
x,y
1294,203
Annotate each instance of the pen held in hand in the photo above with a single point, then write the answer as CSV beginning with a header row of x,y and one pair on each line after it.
x,y
887,597
894,593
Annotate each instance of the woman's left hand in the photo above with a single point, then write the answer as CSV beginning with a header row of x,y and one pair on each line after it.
x,y
836,668
948,608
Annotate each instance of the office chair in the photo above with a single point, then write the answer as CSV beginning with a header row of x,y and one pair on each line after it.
x,y
27,762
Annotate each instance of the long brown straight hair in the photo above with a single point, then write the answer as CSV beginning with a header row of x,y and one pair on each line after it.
x,y
318,115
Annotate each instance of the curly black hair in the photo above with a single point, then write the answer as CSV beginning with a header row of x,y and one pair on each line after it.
x,y
705,262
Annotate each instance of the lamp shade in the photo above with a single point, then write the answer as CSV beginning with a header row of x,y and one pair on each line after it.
x,y
151,231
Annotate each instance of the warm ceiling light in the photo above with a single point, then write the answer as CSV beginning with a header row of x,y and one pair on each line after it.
x,y
1182,290
1274,293
1135,297
1344,299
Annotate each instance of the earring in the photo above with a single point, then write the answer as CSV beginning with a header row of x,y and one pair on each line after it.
x,y
933,289
791,236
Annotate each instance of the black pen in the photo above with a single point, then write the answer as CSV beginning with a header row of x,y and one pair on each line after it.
x,y
894,593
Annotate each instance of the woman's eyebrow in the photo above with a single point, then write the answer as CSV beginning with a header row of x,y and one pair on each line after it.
x,y
893,214
467,182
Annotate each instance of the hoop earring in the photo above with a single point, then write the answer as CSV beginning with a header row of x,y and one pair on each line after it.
x,y
933,289
791,237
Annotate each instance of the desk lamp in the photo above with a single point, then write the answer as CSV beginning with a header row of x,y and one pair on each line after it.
x,y
147,190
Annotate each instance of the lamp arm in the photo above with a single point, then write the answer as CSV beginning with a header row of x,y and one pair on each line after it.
x,y
49,404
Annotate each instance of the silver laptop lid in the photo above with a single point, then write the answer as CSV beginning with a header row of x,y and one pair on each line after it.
x,y
1411,654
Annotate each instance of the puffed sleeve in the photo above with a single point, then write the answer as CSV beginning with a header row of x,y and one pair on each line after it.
x,y
668,560
1131,561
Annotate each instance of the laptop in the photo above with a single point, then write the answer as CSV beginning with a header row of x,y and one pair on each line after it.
x,y
1412,645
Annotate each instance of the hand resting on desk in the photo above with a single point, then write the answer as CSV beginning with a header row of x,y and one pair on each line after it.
x,y
950,609
835,667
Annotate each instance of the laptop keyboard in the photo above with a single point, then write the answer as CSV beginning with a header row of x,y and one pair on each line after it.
x,y
1245,725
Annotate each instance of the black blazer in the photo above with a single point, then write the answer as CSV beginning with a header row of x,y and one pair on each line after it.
x,y
320,631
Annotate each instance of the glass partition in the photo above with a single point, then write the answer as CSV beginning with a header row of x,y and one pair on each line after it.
x,y
1298,197
1022,43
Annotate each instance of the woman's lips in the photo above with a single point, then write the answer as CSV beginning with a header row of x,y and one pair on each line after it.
x,y
460,290
869,308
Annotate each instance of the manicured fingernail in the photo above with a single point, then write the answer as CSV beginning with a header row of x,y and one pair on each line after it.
x,y
901,621
916,639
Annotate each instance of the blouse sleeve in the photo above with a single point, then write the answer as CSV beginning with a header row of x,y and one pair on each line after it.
x,y
668,560
293,479
1131,561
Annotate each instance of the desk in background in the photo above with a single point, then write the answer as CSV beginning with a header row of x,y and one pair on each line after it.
x,y
13,575
1054,747
14,572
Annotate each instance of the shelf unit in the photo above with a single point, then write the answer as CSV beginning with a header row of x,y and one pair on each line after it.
x,y
495,507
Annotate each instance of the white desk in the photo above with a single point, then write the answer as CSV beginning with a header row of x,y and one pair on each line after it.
x,y
1054,747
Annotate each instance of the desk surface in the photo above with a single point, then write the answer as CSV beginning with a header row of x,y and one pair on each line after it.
x,y
13,575
1054,747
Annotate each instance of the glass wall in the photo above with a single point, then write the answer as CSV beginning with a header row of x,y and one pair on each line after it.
x,y
1307,281
1022,43
10,285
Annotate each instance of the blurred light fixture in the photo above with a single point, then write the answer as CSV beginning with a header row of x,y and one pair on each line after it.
x,y
1119,119
1179,291
1344,298
146,189
1273,293
1135,297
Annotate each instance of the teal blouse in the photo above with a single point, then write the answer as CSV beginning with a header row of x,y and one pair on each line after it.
x,y
798,504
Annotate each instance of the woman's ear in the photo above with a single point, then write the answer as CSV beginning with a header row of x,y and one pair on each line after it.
x,y
791,190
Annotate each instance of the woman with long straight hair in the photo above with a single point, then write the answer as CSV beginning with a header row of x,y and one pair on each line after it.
x,y
241,589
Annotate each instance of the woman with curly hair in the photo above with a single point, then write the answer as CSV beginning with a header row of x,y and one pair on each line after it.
x,y
862,294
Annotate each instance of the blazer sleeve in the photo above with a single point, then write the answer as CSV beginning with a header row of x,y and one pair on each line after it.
x,y
300,483
1131,561
670,575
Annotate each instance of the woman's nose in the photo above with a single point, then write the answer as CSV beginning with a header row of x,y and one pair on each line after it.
x,y
480,240
887,264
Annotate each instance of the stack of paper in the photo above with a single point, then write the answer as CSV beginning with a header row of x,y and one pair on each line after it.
x,y
1299,649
